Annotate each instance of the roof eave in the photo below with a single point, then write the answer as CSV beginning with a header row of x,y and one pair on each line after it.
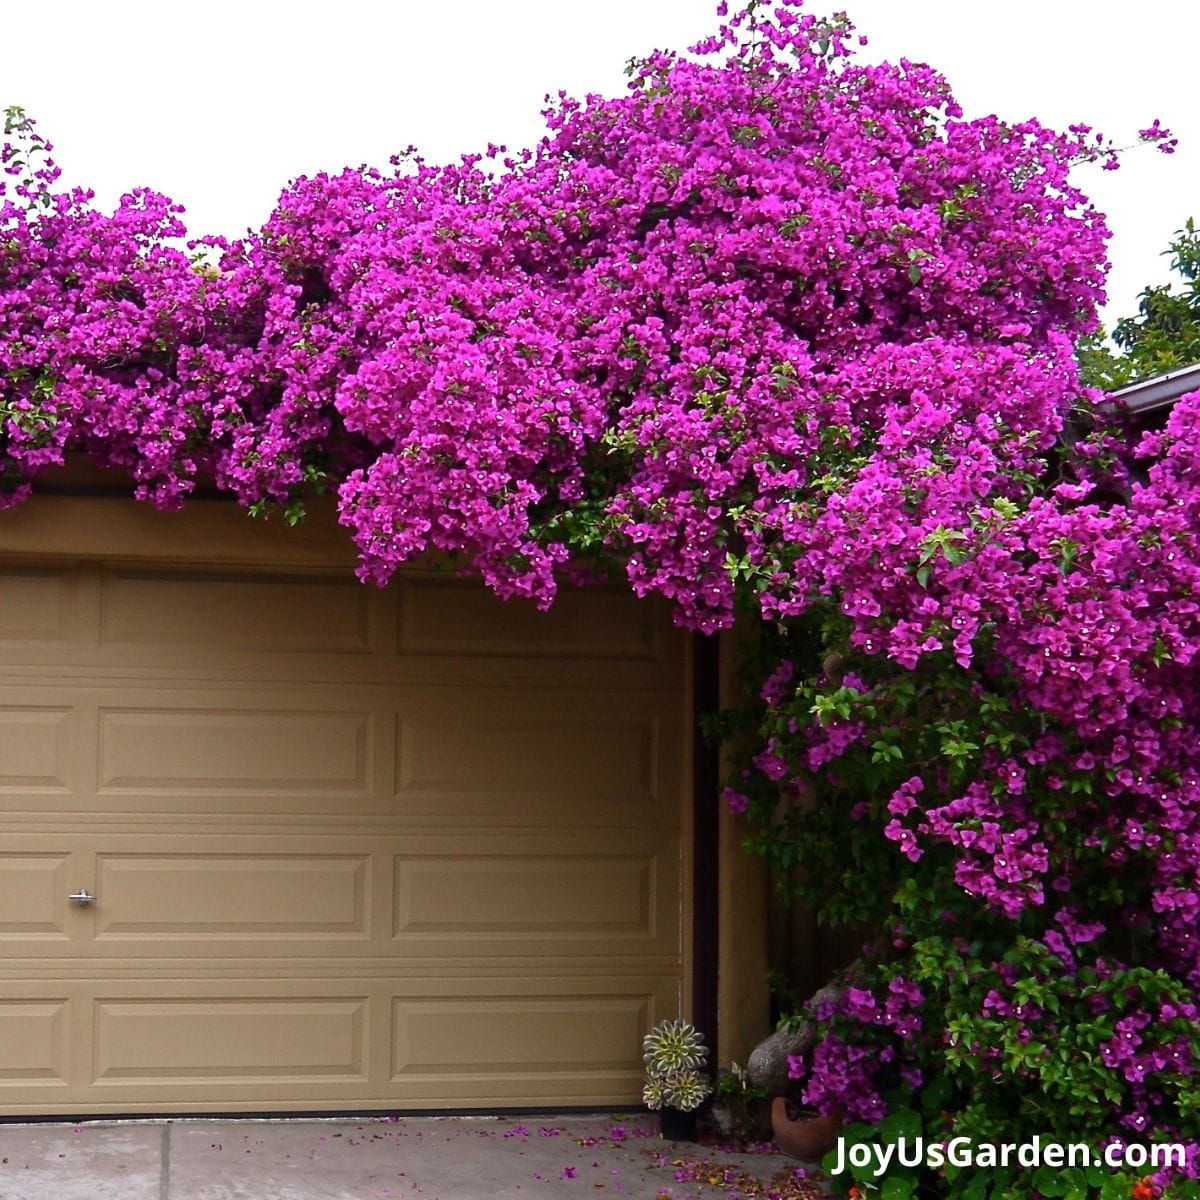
x,y
1160,392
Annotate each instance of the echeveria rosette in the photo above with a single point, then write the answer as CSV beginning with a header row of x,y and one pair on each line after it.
x,y
655,1093
685,1090
675,1054
673,1045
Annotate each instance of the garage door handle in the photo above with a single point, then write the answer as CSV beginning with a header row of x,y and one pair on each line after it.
x,y
83,899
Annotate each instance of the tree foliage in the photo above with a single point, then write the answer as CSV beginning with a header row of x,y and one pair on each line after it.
x,y
1164,335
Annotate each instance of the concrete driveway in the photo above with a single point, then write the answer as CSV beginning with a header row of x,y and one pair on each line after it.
x,y
437,1158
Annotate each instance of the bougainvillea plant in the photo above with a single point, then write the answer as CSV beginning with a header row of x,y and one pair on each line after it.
x,y
776,331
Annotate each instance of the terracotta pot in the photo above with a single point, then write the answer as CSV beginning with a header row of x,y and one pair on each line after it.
x,y
809,1138
675,1125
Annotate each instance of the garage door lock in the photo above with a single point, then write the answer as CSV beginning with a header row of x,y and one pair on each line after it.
x,y
83,898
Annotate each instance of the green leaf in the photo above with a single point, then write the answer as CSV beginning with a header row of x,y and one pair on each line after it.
x,y
901,1125
978,1188
1049,1182
1115,1188
830,1161
897,1187
914,274
935,1095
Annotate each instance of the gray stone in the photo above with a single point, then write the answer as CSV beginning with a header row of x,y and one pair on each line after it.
x,y
767,1066
768,1062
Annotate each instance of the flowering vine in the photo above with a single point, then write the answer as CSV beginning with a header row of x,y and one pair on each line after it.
x,y
776,331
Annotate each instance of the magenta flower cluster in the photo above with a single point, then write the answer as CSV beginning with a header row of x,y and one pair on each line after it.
x,y
661,322
774,324
843,1074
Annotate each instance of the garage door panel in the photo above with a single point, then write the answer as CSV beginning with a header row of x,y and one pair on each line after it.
x,y
176,898
119,749
483,750
37,606
530,896
206,614
33,1042
512,1041
35,749
230,1040
454,754
146,625
462,618
539,903
350,848
568,1035
33,890
608,760
171,751
449,895
248,1042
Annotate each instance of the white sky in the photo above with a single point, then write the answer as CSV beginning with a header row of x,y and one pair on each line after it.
x,y
219,104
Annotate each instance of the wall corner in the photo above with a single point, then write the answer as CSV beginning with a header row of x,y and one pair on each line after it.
x,y
743,994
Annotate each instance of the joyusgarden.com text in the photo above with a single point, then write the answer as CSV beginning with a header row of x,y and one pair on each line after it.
x,y
965,1152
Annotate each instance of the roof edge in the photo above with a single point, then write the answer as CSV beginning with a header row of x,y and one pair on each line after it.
x,y
1159,391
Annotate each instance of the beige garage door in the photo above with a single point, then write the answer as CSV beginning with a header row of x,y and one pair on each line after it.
x,y
349,848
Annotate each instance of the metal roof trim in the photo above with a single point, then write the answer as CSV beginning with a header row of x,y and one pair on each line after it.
x,y
1160,391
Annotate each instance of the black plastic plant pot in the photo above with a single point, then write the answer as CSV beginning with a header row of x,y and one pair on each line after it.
x,y
676,1125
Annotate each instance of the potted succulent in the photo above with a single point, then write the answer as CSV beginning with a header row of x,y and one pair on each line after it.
x,y
675,1055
